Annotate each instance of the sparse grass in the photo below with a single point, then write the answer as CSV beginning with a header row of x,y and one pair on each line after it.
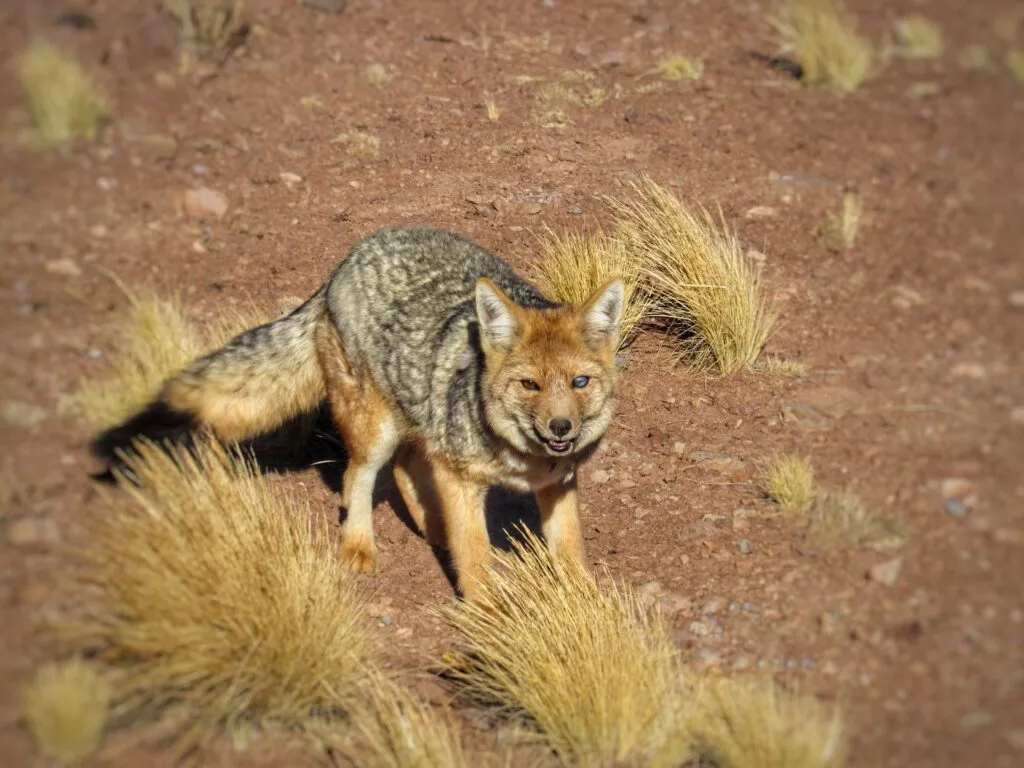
x,y
555,119
773,365
359,144
841,231
700,280
63,99
493,110
574,266
1007,24
975,58
218,595
65,706
1015,64
596,674
825,42
789,480
919,38
394,730
754,724
680,68
377,75
157,341
208,30
842,517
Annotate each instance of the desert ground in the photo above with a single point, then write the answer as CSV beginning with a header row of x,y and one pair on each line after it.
x,y
912,335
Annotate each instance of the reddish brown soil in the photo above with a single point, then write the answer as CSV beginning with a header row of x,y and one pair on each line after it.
x,y
914,345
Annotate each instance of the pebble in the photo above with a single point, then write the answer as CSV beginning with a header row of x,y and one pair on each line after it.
x,y
711,607
748,607
289,178
1017,414
600,476
745,546
65,267
386,621
886,573
969,371
203,203
678,447
956,508
22,414
699,629
32,531
761,212
1017,299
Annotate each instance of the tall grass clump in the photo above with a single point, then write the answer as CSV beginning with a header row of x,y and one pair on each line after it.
x,y
574,266
789,480
208,30
587,666
919,38
754,724
65,705
700,281
218,595
156,342
841,518
63,99
824,41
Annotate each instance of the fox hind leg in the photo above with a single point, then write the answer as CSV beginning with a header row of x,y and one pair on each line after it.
x,y
370,431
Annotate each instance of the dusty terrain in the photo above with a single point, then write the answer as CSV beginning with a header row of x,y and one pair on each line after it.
x,y
914,337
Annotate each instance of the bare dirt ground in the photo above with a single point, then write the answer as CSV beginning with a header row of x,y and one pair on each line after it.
x,y
914,337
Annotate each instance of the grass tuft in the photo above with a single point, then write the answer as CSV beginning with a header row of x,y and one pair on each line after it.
x,y
826,44
574,266
63,99
842,517
789,480
394,730
208,30
359,144
157,341
1015,64
377,75
752,724
219,595
773,365
919,38
841,231
493,110
596,674
65,707
680,68
701,281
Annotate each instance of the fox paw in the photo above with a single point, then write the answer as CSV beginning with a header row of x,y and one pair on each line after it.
x,y
359,553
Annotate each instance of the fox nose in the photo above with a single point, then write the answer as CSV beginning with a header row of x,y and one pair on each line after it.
x,y
560,427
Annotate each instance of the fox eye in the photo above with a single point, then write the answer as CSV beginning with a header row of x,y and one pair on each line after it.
x,y
530,384
580,382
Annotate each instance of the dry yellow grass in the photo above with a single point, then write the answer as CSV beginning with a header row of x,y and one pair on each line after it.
x,y
1015,64
218,594
597,675
754,724
700,279
574,266
680,68
359,144
841,517
919,38
65,706
63,99
493,110
157,341
773,365
394,730
823,39
789,480
377,75
841,231
208,30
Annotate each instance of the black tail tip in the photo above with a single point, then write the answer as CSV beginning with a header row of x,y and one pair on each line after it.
x,y
158,422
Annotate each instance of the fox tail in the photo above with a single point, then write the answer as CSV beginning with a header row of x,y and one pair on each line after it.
x,y
253,384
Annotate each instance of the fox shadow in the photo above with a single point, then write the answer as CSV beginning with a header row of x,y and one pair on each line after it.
x,y
312,442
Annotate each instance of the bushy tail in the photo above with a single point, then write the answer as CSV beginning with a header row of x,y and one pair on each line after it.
x,y
256,382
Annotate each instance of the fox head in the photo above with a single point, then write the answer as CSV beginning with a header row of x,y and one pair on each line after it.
x,y
549,381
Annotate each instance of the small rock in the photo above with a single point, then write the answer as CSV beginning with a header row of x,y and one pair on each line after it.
x,y
600,476
1017,414
203,203
99,231
290,179
649,593
680,448
711,607
748,607
757,256
1017,299
699,629
761,212
956,488
745,546
32,531
956,508
386,621
164,80
886,573
327,6
969,371
716,461
22,414
65,267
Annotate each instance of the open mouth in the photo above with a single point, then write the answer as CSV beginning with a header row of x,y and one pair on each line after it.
x,y
559,446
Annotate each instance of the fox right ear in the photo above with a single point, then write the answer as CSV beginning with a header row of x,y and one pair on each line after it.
x,y
499,326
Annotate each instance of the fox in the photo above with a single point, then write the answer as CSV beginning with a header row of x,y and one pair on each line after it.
x,y
432,354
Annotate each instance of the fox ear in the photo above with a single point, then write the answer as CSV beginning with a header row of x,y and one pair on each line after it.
x,y
499,326
602,314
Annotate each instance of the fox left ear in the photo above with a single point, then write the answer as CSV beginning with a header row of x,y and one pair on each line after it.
x,y
602,314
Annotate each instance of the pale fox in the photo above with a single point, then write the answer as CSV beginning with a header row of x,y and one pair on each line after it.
x,y
432,354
